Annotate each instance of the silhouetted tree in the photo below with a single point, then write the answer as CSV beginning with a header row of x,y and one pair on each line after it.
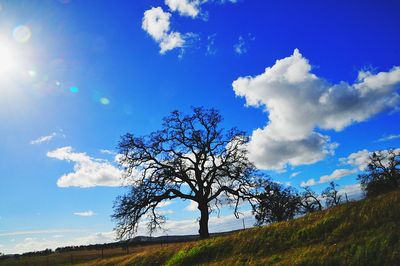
x,y
309,201
277,203
191,158
382,174
331,195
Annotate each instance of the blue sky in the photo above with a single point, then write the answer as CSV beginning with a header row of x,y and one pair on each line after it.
x,y
76,75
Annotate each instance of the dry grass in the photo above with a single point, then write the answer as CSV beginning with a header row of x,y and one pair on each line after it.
x,y
356,233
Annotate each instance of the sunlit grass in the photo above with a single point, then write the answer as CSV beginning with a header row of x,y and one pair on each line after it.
x,y
355,233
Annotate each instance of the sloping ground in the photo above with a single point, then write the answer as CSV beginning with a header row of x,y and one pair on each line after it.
x,y
356,233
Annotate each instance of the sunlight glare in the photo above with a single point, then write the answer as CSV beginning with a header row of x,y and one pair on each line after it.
x,y
8,59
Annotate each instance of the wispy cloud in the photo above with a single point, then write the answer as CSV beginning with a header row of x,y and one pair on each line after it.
x,y
41,243
240,47
192,206
85,213
37,232
105,151
43,139
335,175
295,174
390,137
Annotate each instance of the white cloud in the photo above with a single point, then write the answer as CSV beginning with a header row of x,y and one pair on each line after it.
x,y
41,243
165,203
156,23
216,224
184,7
210,48
36,232
88,171
390,137
295,174
361,158
172,227
240,47
353,191
308,183
192,206
43,139
358,159
85,213
298,103
105,151
335,175
171,41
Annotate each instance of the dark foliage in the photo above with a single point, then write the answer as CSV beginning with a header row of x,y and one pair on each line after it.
x,y
382,174
277,203
191,158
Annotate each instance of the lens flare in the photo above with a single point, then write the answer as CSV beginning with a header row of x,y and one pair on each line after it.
x,y
74,89
104,101
22,34
32,73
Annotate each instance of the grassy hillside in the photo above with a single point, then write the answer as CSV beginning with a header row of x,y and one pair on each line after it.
x,y
356,233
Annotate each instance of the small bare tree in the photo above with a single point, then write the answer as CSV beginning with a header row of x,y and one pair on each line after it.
x,y
331,195
191,158
310,201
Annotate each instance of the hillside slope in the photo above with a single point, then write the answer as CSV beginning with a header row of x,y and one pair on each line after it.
x,y
356,233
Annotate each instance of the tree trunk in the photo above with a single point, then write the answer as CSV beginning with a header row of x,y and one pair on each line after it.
x,y
203,223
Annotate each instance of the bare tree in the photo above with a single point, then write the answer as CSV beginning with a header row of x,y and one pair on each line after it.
x,y
191,158
277,203
331,195
382,174
310,201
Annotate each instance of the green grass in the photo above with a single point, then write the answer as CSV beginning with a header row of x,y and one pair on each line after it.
x,y
356,233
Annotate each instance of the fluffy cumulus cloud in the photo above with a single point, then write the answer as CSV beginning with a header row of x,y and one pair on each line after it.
x,y
358,159
88,171
156,23
299,103
335,175
184,7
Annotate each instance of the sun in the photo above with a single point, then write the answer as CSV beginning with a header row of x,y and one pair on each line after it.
x,y
9,61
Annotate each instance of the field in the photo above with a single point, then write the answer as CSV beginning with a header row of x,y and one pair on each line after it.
x,y
355,233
